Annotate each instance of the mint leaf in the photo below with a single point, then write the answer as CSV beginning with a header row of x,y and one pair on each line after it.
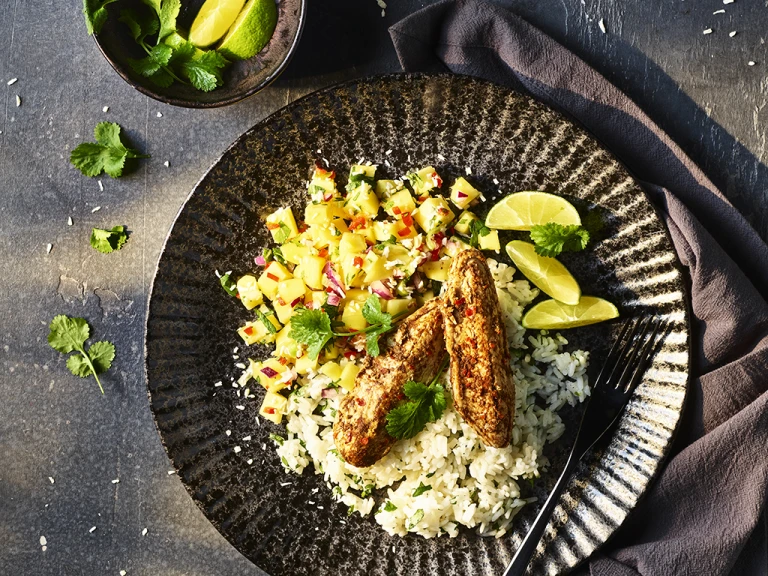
x,y
108,241
95,12
311,328
552,239
108,154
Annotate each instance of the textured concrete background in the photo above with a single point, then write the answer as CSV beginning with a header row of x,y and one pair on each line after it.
x,y
698,87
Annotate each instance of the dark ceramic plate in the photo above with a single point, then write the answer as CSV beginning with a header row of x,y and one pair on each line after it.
x,y
241,79
451,122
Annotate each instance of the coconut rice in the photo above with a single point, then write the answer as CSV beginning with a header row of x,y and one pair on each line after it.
x,y
445,477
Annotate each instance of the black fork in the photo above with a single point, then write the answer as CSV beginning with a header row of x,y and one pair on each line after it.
x,y
622,371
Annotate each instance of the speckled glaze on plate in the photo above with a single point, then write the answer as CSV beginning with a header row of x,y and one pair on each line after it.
x,y
453,123
241,79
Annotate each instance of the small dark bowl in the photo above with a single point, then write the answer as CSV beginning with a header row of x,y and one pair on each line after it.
x,y
241,79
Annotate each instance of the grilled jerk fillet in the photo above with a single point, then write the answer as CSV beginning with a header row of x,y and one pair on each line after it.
x,y
483,389
414,352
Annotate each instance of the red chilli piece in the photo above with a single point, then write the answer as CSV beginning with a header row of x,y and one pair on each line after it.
x,y
273,277
248,330
404,232
358,262
364,441
269,410
271,226
360,401
469,312
407,219
396,211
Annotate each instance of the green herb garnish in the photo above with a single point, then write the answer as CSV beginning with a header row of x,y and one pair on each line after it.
x,y
551,239
389,507
313,327
69,335
477,229
266,321
108,154
421,489
426,404
417,517
229,285
95,12
107,241
277,439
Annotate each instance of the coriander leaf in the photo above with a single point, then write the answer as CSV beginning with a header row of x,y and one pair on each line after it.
x,y
311,328
477,229
158,57
438,402
421,489
551,239
68,334
426,404
278,255
169,11
204,72
108,241
389,507
372,341
108,154
373,314
141,26
154,4
229,285
101,355
95,12
415,390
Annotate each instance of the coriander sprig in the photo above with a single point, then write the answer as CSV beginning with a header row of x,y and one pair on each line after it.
x,y
427,403
69,335
108,154
551,239
313,327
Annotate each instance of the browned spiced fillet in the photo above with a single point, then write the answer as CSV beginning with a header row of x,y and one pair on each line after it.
x,y
483,389
414,352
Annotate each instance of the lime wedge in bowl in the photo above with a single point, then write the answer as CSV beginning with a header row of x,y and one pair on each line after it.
x,y
554,315
524,210
213,21
549,275
251,31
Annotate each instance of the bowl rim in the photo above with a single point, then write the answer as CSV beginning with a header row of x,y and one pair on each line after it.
x,y
183,103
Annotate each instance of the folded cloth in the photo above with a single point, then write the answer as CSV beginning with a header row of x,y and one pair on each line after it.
x,y
705,513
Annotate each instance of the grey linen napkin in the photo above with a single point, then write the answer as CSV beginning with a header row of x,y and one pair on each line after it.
x,y
702,516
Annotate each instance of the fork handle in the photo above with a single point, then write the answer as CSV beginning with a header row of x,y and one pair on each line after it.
x,y
519,563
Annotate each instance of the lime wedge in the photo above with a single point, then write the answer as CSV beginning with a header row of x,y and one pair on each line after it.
x,y
554,315
213,21
547,273
524,210
251,31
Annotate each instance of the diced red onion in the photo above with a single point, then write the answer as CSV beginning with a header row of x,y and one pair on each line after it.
x,y
296,301
417,280
334,299
336,284
380,289
328,197
329,393
269,372
460,194
260,261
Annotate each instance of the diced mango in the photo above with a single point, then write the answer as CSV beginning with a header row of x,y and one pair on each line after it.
x,y
332,370
463,193
374,267
384,231
426,297
282,225
293,251
386,188
318,214
465,221
490,241
400,305
455,245
355,295
254,332
352,243
437,270
367,234
273,407
317,298
363,200
248,288
400,203
434,215
402,231
272,275
291,290
352,270
285,345
305,364
268,366
312,271
352,316
423,181
330,352
283,311
348,375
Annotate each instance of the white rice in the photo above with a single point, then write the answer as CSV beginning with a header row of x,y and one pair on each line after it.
x,y
469,484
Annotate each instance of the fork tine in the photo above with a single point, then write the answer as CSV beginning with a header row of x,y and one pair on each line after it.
x,y
626,348
614,354
651,347
644,339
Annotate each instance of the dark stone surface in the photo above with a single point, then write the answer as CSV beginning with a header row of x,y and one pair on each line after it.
x,y
698,87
